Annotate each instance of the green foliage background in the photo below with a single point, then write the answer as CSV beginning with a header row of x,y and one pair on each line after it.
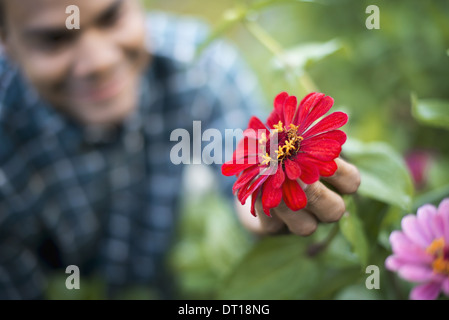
x,y
393,83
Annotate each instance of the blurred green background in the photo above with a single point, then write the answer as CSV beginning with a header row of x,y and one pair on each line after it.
x,y
393,83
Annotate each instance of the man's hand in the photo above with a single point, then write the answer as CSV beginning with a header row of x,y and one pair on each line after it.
x,y
323,205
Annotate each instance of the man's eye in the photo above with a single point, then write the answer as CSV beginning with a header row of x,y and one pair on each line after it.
x,y
55,39
110,18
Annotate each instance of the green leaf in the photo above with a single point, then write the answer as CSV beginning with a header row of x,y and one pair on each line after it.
x,y
276,268
358,292
384,174
432,112
352,229
300,56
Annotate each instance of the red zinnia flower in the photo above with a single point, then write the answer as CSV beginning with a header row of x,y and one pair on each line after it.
x,y
272,157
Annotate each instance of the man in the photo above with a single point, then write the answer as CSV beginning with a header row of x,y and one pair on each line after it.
x,y
85,123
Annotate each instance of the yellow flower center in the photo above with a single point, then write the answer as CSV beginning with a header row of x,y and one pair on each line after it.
x,y
289,143
441,263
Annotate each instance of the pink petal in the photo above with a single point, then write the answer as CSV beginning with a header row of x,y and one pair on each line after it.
x,y
289,110
412,228
292,169
445,287
443,211
437,226
444,206
393,263
427,291
331,122
425,216
408,251
293,195
415,273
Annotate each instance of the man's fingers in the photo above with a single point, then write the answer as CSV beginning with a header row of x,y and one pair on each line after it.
x,y
269,225
346,179
301,222
327,205
323,205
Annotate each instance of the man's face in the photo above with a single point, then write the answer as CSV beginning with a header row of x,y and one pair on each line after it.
x,y
91,73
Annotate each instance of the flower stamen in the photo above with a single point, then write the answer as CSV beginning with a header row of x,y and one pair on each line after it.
x,y
263,138
279,127
266,159
441,263
289,142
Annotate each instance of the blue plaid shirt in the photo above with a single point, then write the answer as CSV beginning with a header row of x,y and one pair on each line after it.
x,y
108,201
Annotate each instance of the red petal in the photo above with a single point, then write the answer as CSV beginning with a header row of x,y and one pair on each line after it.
x,y
246,148
231,169
321,149
331,122
327,169
279,102
319,110
289,110
278,178
255,129
273,119
255,134
309,173
294,196
245,159
292,169
306,105
244,193
253,201
256,124
246,177
271,196
336,135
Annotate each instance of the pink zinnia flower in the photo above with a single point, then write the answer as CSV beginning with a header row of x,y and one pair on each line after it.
x,y
295,143
421,251
419,163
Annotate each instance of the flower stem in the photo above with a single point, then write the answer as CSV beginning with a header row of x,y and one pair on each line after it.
x,y
303,78
316,248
